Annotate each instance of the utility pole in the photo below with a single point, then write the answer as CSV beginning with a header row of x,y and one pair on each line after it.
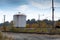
x,y
53,12
39,20
4,24
53,22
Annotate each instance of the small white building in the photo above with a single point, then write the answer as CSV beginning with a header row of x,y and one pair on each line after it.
x,y
19,20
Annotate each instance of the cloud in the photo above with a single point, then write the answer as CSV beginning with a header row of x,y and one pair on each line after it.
x,y
10,3
44,4
36,3
41,6
9,15
21,2
57,4
57,1
22,8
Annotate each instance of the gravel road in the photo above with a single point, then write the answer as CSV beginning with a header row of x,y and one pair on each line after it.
x,y
24,36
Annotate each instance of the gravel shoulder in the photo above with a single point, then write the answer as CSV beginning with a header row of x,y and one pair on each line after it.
x,y
24,36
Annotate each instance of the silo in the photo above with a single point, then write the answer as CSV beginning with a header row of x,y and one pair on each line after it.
x,y
19,20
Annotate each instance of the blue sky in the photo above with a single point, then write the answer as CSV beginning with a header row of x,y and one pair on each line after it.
x,y
31,8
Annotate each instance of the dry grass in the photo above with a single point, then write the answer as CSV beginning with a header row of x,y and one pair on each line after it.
x,y
2,37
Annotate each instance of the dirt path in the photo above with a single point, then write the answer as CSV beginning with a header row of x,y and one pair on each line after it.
x,y
22,36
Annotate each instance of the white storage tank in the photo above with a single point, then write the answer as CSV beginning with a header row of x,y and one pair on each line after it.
x,y
19,20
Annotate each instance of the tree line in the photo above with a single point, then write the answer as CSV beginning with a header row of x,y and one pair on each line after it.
x,y
35,23
39,26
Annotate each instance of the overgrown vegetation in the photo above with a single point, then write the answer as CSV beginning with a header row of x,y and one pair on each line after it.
x,y
40,26
2,37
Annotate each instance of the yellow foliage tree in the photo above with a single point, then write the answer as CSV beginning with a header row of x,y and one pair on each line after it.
x,y
43,24
35,25
57,23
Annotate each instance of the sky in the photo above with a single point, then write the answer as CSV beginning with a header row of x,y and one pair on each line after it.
x,y
31,8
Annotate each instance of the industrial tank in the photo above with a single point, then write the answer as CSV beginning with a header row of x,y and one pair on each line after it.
x,y
19,20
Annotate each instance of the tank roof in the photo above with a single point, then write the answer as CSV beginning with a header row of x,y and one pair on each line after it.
x,y
19,15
